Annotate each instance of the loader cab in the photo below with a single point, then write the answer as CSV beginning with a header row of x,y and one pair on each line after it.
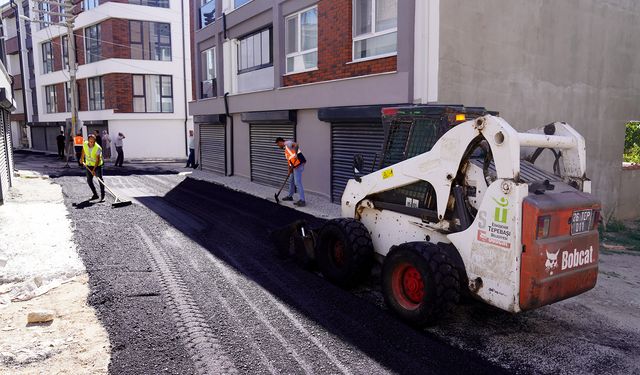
x,y
411,131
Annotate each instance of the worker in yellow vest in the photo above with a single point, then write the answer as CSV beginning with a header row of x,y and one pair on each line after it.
x,y
92,158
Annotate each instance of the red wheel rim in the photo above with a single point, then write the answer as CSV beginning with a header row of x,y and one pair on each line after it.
x,y
408,286
338,253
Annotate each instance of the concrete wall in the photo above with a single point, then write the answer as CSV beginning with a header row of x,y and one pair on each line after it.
x,y
538,61
241,147
150,138
314,137
628,203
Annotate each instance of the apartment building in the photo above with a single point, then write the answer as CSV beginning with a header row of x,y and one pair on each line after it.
x,y
319,71
131,75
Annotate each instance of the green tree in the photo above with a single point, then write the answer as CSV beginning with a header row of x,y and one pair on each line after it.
x,y
632,142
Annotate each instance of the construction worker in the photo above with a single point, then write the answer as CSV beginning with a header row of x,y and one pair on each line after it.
x,y
296,162
78,141
92,159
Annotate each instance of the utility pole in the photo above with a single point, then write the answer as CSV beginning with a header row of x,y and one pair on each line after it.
x,y
65,12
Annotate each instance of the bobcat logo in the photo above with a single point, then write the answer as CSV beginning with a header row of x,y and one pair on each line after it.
x,y
552,261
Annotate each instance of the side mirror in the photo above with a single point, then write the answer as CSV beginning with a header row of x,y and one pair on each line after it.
x,y
358,165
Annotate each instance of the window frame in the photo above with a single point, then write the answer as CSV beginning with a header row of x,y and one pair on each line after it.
x,y
47,63
149,49
298,36
202,5
205,71
144,92
370,35
65,52
67,97
89,39
47,97
90,4
44,15
146,3
249,35
92,100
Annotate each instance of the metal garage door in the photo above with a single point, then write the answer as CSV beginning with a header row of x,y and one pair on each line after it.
x,y
4,162
268,165
212,148
38,139
52,133
348,139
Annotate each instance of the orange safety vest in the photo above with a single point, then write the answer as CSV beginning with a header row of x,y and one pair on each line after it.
x,y
78,140
292,157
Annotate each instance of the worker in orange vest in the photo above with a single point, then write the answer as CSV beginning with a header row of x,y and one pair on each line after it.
x,y
78,143
296,162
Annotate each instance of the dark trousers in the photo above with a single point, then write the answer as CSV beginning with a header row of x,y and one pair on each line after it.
x,y
78,150
90,181
61,150
191,162
120,158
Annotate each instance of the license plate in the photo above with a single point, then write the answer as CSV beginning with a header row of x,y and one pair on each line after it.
x,y
581,221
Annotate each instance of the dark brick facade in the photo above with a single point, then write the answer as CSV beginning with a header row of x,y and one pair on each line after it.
x,y
61,98
118,88
115,37
335,48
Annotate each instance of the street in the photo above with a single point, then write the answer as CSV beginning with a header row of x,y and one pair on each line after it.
x,y
186,280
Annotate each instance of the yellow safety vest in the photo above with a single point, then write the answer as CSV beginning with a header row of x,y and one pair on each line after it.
x,y
91,157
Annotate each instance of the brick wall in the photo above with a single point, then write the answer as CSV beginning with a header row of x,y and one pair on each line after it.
x,y
61,99
56,45
83,99
335,48
118,88
79,34
115,38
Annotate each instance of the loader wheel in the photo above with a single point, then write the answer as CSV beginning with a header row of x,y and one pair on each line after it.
x,y
420,283
344,253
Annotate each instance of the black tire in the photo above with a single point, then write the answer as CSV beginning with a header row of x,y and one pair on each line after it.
x,y
420,283
344,253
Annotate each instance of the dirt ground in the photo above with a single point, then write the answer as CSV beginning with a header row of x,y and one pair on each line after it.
x,y
73,343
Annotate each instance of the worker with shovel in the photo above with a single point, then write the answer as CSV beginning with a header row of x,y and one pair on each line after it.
x,y
91,158
296,162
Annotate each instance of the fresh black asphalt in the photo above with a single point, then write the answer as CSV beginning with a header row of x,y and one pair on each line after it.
x,y
187,282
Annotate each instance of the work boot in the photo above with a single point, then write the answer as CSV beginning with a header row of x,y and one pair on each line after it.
x,y
93,197
287,198
102,198
300,203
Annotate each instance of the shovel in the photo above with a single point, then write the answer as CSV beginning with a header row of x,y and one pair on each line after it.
x,y
277,195
117,201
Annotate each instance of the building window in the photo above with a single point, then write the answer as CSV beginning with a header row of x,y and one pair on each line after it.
x,y
92,43
151,3
301,37
47,57
207,12
375,28
50,98
44,15
152,93
96,93
239,3
208,84
90,4
254,51
65,51
150,40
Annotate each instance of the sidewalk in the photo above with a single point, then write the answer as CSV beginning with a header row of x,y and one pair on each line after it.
x,y
40,270
317,205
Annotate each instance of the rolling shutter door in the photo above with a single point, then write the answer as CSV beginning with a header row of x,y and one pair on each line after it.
x,y
268,164
51,133
213,148
10,166
4,163
347,140
38,140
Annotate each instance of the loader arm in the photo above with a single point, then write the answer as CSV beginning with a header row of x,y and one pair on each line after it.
x,y
440,165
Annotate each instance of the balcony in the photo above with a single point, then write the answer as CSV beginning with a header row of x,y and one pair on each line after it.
x,y
207,13
11,46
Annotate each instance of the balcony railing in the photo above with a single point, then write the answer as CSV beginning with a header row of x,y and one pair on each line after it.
x,y
207,13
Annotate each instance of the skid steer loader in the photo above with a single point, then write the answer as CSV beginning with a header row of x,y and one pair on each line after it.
x,y
462,204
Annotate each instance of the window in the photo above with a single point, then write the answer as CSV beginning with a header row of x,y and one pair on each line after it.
x,y
375,28
90,4
254,51
44,15
47,57
151,3
67,97
92,43
150,40
301,38
208,84
96,93
152,93
207,12
65,51
50,98
239,3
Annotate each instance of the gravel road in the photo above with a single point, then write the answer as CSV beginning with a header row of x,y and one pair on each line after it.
x,y
186,282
